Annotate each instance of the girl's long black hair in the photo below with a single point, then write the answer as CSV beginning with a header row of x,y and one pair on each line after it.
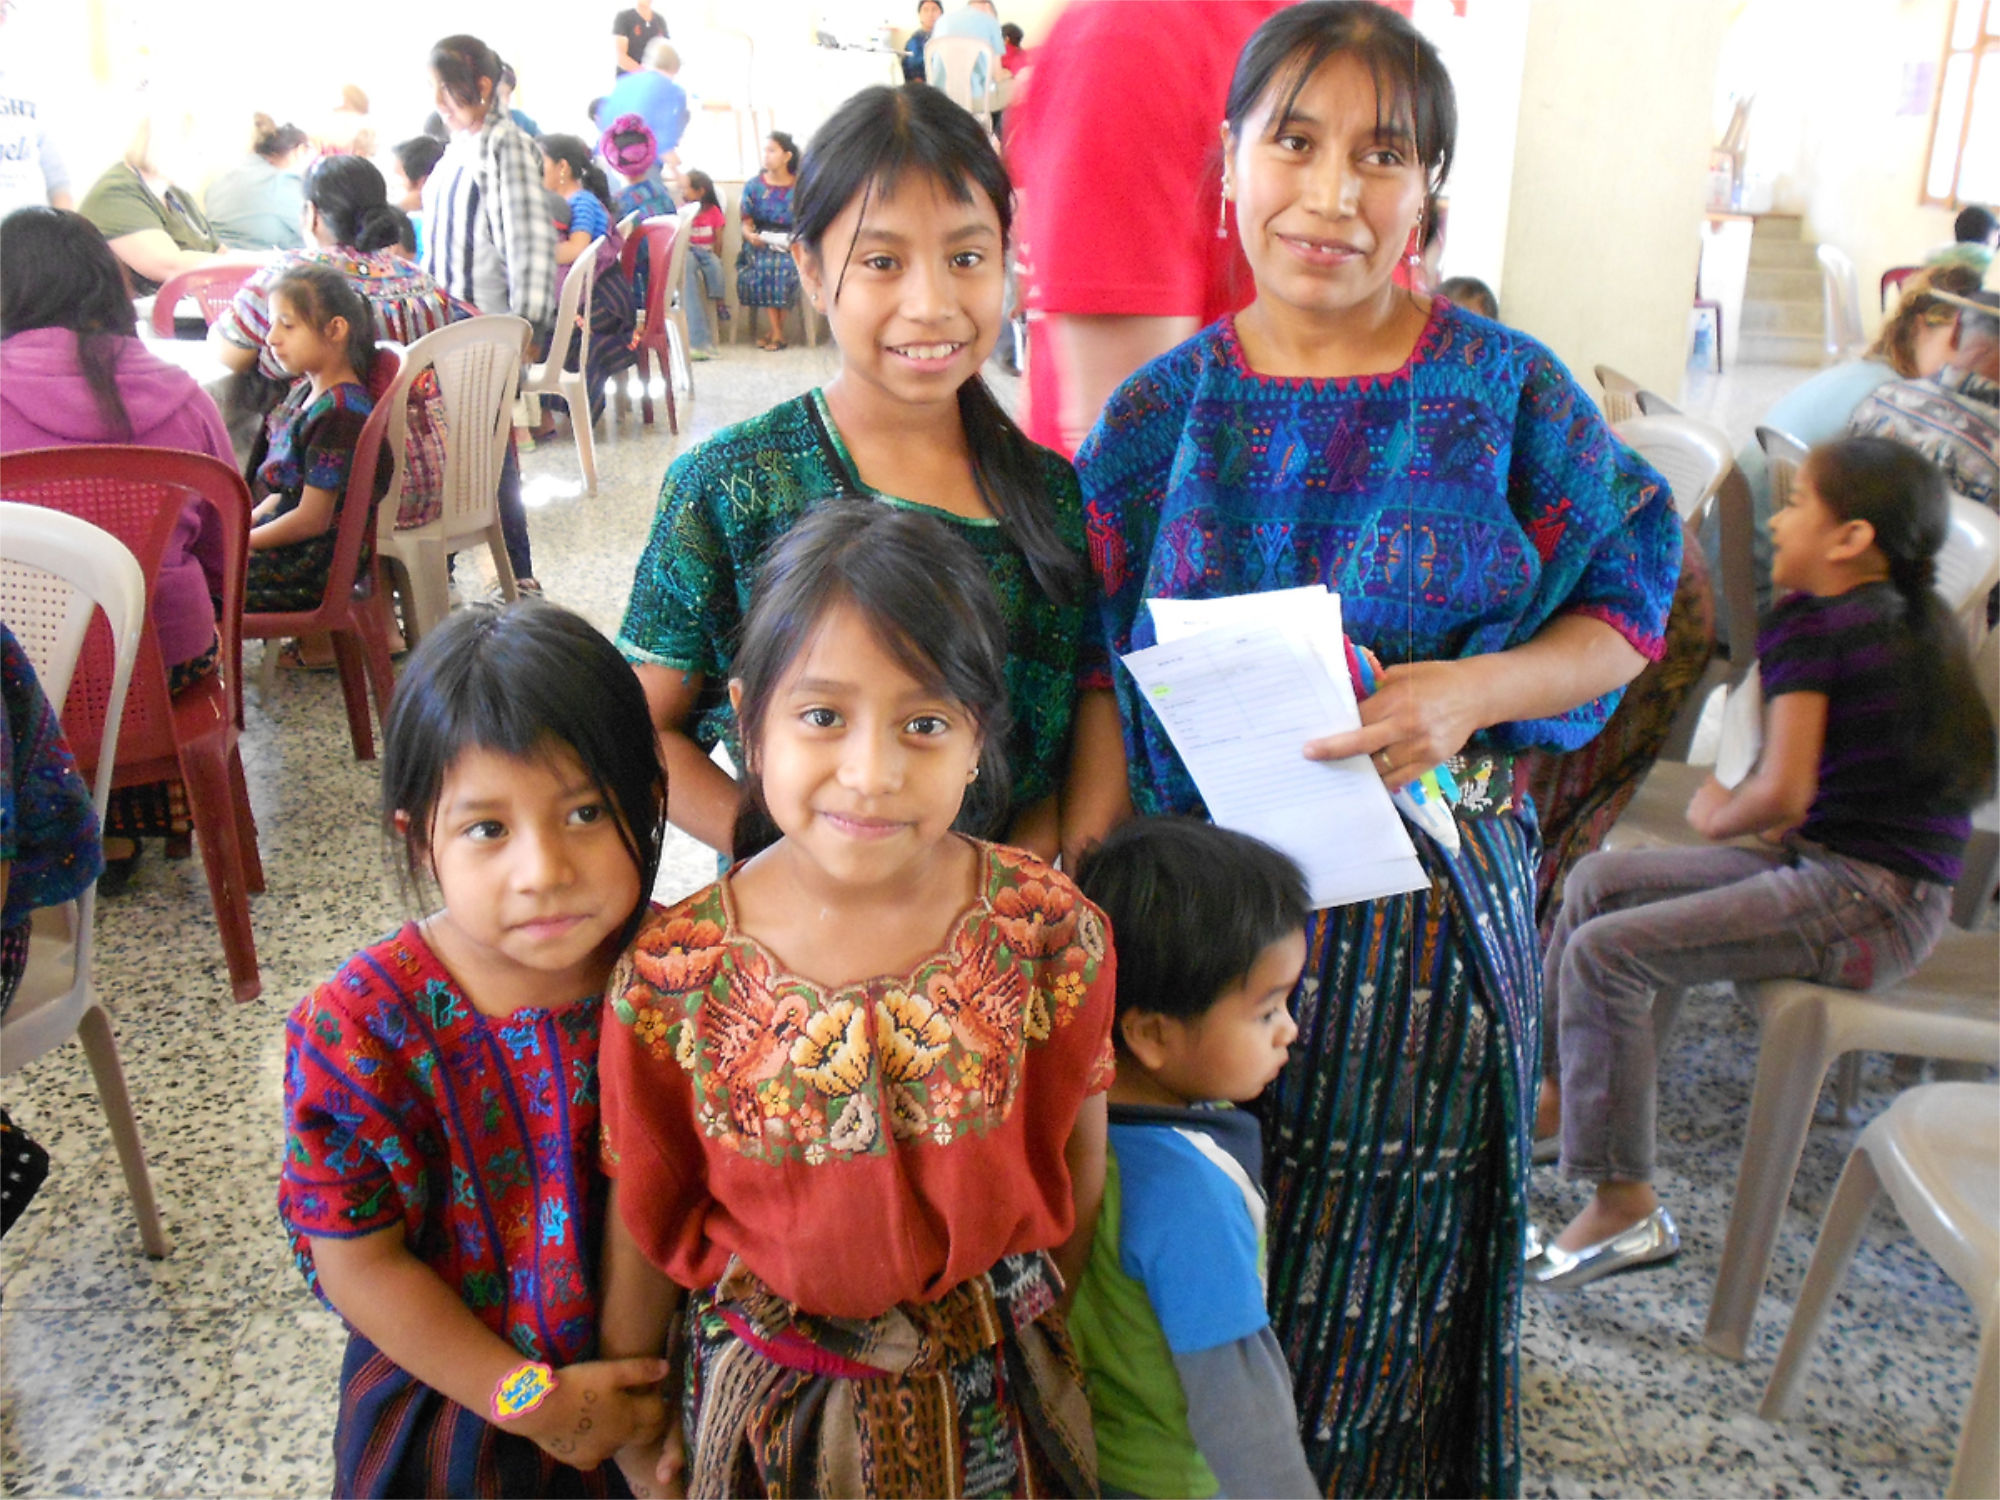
x,y
524,681
925,595
56,271
572,150
863,151
319,294
1947,735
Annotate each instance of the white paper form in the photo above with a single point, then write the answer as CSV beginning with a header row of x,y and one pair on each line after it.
x,y
1239,703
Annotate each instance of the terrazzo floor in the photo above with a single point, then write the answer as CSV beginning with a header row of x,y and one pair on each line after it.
x,y
213,1372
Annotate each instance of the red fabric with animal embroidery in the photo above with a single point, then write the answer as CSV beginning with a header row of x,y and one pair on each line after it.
x,y
867,1145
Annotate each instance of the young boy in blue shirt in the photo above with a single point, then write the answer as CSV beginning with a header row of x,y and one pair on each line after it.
x,y
1188,1388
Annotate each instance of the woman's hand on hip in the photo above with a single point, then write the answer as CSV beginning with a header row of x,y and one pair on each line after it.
x,y
1420,714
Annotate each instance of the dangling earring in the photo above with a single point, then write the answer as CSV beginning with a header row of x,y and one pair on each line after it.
x,y
1416,241
1222,216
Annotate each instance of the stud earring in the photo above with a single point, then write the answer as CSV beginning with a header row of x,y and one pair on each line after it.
x,y
972,776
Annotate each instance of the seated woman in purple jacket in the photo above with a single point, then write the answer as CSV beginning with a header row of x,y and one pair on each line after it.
x,y
74,370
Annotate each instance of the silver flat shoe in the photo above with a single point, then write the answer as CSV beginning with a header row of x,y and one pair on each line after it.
x,y
1532,1247
1650,1242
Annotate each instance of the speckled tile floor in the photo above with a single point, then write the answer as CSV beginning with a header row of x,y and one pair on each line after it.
x,y
213,1372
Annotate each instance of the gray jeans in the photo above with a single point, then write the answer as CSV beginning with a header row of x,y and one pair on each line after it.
x,y
1635,923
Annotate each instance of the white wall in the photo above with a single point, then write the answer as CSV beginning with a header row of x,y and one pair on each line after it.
x,y
1610,170
1840,123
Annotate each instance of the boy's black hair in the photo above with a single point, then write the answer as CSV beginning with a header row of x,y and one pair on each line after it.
x,y
1947,735
524,680
926,596
1191,907
1471,293
1973,226
865,149
418,157
319,294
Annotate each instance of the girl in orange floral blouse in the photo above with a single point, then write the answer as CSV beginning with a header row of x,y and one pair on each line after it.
x,y
853,1090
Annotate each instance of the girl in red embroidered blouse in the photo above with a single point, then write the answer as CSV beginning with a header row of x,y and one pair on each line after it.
x,y
853,1090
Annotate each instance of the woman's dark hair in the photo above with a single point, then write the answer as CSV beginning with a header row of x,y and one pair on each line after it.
x,y
57,272
703,188
527,680
1191,907
865,150
789,146
271,140
1412,90
319,294
1947,735
418,157
925,595
460,62
351,196
571,150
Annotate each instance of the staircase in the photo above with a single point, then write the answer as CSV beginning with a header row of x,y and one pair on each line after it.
x,y
1784,318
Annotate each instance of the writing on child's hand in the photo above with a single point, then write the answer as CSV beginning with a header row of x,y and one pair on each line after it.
x,y
597,1408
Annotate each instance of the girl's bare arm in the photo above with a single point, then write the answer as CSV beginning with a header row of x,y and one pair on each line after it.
x,y
701,797
311,517
1084,1155
1780,791
1096,797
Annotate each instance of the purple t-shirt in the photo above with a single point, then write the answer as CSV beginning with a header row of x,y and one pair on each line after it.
x,y
1870,804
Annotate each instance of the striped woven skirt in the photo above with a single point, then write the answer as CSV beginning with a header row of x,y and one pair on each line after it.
x,y
397,1436
978,1393
1397,1157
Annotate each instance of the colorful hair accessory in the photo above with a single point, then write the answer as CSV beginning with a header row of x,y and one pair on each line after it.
x,y
522,1389
635,157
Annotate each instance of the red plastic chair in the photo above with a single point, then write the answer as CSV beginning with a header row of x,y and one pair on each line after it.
x,y
137,495
657,236
353,609
213,287
1895,276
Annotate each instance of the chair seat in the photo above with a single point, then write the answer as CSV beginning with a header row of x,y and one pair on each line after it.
x,y
1952,997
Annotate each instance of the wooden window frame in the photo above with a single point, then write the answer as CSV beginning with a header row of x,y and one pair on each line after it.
x,y
1985,49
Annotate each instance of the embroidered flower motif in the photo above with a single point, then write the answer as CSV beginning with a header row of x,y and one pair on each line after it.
x,y
1090,933
815,1153
684,1047
1069,992
1036,917
650,1027
1035,1024
907,1116
682,954
942,1132
855,1130
910,1035
832,1053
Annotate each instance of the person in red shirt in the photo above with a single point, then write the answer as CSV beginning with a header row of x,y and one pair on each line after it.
x,y
1015,58
1123,253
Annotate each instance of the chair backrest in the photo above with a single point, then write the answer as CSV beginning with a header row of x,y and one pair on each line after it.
x,y
1968,564
957,56
1690,454
627,224
1652,405
478,365
677,262
1840,295
357,511
138,495
56,573
573,304
660,236
1621,395
1783,454
212,287
1895,276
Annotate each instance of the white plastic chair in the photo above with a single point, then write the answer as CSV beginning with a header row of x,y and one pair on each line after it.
x,y
1936,1152
1968,565
56,571
550,378
956,58
478,364
1621,395
1783,455
1840,300
1690,455
1949,1008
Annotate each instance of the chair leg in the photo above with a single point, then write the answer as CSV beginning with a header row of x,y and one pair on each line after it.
x,y
428,597
1846,1215
496,543
1847,1089
246,826
348,657
213,806
374,625
1977,1469
101,1048
645,385
578,400
1791,1065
